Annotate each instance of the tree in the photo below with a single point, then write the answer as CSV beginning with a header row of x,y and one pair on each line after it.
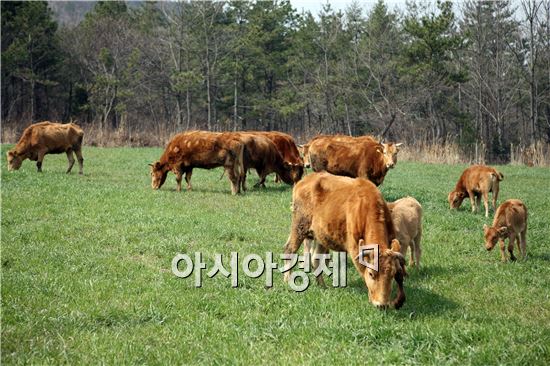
x,y
430,45
492,35
30,61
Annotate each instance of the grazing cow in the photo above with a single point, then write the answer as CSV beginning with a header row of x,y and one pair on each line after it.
x,y
390,150
44,138
476,181
199,149
262,154
510,222
364,159
406,214
344,214
289,151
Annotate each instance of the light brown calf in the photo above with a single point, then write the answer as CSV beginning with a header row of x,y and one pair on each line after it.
x,y
476,181
510,222
406,214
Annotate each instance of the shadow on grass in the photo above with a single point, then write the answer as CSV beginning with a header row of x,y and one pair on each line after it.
x,y
542,257
249,189
420,301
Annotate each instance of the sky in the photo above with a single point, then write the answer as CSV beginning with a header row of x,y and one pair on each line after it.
x,y
316,5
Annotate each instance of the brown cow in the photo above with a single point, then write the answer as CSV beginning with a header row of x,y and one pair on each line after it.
x,y
476,181
510,222
44,138
199,149
390,149
262,154
343,214
289,151
406,214
364,159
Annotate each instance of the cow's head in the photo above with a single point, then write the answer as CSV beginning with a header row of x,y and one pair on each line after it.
x,y
455,199
158,174
391,265
492,234
390,154
304,152
14,160
295,170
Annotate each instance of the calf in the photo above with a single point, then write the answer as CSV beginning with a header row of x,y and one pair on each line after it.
x,y
406,215
476,181
44,138
344,214
510,222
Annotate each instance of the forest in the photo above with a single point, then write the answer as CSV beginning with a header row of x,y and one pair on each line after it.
x,y
475,74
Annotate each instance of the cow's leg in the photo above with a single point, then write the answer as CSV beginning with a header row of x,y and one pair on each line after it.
x,y
523,236
188,175
512,239
478,200
262,175
80,159
317,251
233,178
179,177
495,195
518,243
417,248
39,160
70,157
502,250
293,243
486,202
242,180
472,200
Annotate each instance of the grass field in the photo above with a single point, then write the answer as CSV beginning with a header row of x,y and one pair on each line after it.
x,y
86,274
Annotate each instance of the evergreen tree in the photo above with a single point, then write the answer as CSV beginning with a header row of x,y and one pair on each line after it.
x,y
30,62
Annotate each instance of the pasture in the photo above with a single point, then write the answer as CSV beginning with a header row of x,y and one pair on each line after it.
x,y
86,274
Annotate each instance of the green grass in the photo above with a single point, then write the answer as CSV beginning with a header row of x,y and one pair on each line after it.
x,y
86,274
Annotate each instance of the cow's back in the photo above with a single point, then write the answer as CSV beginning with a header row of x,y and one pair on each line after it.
x,y
407,216
286,145
511,213
51,137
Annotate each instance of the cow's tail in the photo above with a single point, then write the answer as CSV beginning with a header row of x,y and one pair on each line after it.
x,y
497,176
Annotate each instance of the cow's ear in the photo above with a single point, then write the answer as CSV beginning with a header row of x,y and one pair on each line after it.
x,y
150,164
503,230
395,246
